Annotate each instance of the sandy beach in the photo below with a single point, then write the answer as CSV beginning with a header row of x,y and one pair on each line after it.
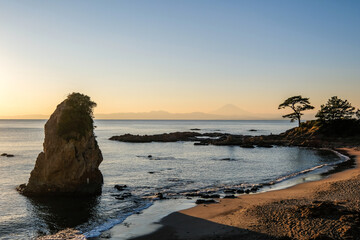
x,y
324,209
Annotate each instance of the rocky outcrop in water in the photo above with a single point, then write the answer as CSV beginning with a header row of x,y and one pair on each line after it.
x,y
69,163
7,155
309,134
165,137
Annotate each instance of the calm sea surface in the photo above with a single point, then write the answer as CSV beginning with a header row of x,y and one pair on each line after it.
x,y
174,168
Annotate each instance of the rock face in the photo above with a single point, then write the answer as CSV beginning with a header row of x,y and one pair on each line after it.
x,y
65,167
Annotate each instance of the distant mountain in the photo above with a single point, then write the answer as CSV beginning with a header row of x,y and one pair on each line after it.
x,y
28,116
227,112
231,110
159,115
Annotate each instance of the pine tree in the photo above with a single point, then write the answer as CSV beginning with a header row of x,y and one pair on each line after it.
x,y
298,104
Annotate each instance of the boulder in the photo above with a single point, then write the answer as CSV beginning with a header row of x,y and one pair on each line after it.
x,y
247,146
240,191
205,201
232,191
210,195
7,155
69,163
230,196
120,187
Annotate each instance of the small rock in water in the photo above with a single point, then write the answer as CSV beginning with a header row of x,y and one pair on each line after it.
x,y
264,145
160,195
7,155
149,156
240,191
195,129
230,191
120,187
210,195
247,191
193,194
201,144
105,235
205,201
151,172
252,130
230,196
247,146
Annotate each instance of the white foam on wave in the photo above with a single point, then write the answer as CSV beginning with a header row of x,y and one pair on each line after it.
x,y
343,158
111,223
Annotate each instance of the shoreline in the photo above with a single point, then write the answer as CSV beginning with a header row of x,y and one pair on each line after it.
x,y
165,214
258,215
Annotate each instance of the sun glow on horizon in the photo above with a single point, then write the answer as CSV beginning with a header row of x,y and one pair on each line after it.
x,y
179,57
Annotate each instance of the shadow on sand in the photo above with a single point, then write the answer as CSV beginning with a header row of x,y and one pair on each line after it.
x,y
178,226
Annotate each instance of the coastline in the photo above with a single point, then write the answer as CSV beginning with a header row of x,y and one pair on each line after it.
x,y
299,212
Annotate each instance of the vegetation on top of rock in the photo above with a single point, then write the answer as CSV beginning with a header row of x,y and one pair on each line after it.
x,y
336,109
335,128
77,117
298,104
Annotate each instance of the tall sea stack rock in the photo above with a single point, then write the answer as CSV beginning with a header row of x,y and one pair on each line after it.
x,y
69,163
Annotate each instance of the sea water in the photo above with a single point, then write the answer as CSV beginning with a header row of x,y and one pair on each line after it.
x,y
173,169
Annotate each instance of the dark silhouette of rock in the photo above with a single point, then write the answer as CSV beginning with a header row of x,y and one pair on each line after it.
x,y
160,196
165,137
264,145
230,191
240,191
201,144
193,194
67,166
204,195
205,201
247,146
230,196
120,187
7,155
309,134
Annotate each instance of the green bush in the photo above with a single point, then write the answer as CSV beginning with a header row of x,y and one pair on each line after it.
x,y
341,128
334,128
77,117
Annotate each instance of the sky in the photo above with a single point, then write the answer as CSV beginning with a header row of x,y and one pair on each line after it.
x,y
177,56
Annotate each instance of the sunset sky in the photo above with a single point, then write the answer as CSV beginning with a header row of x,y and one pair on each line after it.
x,y
177,56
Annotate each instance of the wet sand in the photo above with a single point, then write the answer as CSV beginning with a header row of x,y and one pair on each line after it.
x,y
324,209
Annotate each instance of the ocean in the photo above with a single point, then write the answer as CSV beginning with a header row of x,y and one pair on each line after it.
x,y
174,169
